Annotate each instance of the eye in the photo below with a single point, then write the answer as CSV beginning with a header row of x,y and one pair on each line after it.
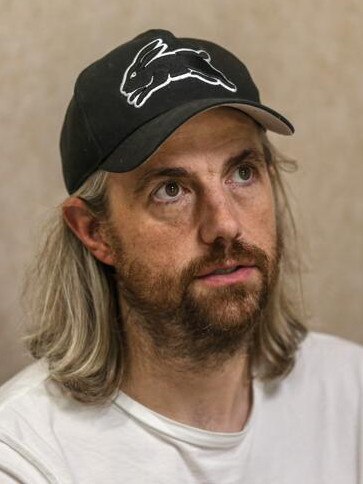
x,y
168,192
244,174
133,75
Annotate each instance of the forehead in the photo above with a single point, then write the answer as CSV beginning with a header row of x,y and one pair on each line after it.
x,y
207,132
213,135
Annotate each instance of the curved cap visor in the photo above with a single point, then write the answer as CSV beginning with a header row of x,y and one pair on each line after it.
x,y
143,142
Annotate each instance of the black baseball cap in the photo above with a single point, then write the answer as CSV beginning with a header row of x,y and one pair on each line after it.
x,y
126,104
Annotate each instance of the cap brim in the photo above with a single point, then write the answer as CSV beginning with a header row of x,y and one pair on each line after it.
x,y
143,142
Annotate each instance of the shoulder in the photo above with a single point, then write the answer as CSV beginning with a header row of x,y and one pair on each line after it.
x,y
325,382
31,403
16,467
326,340
24,398
26,394
27,381
328,350
329,362
28,407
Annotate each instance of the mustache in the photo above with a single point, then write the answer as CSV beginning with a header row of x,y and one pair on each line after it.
x,y
239,251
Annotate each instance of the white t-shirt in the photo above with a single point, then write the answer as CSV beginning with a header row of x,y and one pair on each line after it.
x,y
305,429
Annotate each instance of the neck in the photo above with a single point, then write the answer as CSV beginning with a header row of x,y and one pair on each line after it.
x,y
206,395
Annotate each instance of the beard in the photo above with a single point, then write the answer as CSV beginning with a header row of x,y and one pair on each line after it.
x,y
185,321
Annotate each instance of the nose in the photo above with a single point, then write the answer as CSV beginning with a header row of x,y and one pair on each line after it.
x,y
219,218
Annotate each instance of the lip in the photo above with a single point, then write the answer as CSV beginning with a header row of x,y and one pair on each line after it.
x,y
229,265
242,274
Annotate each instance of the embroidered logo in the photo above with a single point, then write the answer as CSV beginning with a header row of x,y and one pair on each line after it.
x,y
154,67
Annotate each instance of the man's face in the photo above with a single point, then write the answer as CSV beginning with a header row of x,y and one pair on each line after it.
x,y
202,203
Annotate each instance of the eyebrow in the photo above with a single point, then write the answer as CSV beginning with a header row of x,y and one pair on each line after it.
x,y
179,172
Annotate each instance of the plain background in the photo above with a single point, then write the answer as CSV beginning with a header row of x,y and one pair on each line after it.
x,y
306,58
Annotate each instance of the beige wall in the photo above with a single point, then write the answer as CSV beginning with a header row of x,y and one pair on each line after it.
x,y
307,59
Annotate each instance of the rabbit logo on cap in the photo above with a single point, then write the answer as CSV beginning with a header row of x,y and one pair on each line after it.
x,y
155,67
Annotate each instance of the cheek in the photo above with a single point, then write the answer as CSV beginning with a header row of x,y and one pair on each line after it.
x,y
152,241
263,222
155,245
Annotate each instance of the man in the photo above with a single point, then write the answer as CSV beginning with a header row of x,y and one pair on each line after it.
x,y
169,346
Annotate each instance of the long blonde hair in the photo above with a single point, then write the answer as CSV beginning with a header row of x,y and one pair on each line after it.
x,y
75,321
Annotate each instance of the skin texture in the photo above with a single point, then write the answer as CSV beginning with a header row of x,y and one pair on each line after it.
x,y
187,335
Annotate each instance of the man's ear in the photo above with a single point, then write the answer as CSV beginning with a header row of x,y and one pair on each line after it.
x,y
87,228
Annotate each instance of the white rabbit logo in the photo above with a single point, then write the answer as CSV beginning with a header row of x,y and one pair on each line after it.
x,y
154,68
